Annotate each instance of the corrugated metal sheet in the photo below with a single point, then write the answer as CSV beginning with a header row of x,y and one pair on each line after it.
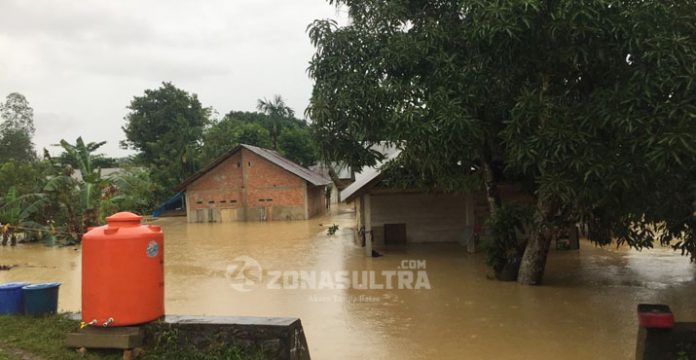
x,y
369,174
270,155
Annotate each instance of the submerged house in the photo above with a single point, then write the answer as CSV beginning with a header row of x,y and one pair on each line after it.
x,y
249,183
387,216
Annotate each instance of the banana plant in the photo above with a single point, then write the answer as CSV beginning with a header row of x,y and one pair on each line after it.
x,y
80,199
16,215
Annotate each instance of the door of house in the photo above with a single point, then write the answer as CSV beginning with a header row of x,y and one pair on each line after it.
x,y
394,234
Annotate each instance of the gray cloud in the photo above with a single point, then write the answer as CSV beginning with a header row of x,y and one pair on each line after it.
x,y
80,62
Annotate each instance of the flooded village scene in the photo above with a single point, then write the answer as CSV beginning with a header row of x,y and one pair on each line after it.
x,y
401,179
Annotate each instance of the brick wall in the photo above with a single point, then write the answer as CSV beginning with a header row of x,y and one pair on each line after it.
x,y
248,187
266,181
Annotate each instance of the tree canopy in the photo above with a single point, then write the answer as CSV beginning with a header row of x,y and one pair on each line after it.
x,y
589,104
166,126
16,129
294,139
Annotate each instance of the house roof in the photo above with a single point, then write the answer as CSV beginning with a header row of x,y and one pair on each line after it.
x,y
105,173
369,175
270,155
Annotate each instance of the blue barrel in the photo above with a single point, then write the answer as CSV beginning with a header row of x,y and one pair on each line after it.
x,y
11,298
41,299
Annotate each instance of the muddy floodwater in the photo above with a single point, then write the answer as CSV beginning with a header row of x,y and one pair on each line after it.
x,y
585,310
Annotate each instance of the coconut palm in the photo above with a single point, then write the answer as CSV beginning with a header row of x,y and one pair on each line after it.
x,y
276,109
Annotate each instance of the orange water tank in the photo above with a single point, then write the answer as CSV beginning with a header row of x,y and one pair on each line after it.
x,y
122,272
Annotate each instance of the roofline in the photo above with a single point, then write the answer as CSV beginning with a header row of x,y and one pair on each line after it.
x,y
363,189
218,160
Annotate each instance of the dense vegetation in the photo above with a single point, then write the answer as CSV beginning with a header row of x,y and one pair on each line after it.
x,y
589,105
55,198
175,134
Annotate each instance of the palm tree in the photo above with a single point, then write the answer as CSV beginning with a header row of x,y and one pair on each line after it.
x,y
276,110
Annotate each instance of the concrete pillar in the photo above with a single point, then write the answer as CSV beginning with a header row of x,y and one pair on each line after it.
x,y
368,224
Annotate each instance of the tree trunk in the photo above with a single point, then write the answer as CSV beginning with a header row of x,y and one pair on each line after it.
x,y
5,238
492,195
537,250
534,259
13,240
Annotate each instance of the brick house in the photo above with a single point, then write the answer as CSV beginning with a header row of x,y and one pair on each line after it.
x,y
249,183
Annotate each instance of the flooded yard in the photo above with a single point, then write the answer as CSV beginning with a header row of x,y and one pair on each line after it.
x,y
586,309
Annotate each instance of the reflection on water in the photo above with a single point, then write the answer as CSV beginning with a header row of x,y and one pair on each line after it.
x,y
586,310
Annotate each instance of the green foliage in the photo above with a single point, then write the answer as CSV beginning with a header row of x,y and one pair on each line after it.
x,y
277,111
331,231
296,144
132,190
16,144
294,139
99,160
169,345
505,247
16,215
589,103
92,182
26,177
229,132
166,127
16,129
44,338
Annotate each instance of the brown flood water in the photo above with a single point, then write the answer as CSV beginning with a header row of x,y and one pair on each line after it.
x,y
586,309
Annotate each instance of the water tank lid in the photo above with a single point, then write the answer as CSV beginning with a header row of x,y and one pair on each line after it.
x,y
124,216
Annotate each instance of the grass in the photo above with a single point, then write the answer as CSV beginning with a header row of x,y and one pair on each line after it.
x,y
42,338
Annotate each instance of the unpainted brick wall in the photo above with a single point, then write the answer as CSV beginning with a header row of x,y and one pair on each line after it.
x,y
255,186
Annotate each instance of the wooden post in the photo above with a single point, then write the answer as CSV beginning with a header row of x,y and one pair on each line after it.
x,y
368,224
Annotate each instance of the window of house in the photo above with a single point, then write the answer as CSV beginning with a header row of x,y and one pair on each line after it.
x,y
269,200
199,201
262,200
233,201
211,201
249,163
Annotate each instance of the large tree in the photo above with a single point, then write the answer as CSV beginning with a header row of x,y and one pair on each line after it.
x,y
293,138
16,129
166,126
588,104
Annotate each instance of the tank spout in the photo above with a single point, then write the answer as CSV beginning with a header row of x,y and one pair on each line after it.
x,y
108,322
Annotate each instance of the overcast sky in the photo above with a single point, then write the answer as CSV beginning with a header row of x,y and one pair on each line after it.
x,y
79,63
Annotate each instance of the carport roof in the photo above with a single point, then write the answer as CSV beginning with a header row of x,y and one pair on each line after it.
x,y
369,174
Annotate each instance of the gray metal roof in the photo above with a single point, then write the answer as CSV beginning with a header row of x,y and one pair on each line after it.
x,y
270,155
369,174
